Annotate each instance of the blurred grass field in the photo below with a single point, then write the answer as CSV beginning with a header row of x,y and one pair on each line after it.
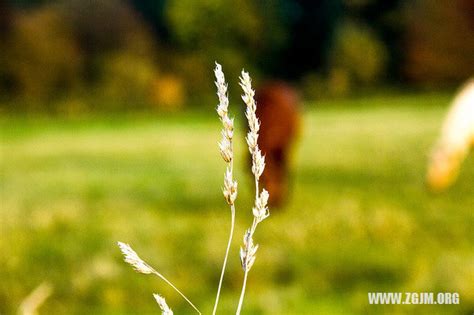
x,y
359,219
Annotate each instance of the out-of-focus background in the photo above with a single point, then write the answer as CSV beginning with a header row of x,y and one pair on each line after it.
x,y
108,133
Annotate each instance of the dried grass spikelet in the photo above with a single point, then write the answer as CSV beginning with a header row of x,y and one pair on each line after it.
x,y
260,210
230,187
225,145
248,252
132,258
258,161
165,310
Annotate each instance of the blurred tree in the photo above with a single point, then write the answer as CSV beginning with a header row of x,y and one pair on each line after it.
x,y
276,38
6,18
126,81
6,25
311,25
284,38
209,30
42,58
210,23
385,19
358,53
277,17
166,47
100,47
126,66
439,42
153,11
106,26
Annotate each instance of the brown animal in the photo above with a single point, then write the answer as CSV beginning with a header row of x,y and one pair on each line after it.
x,y
277,110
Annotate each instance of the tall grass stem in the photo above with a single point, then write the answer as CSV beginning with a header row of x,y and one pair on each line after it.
x,y
231,234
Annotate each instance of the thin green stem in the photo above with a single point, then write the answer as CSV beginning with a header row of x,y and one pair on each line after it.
x,y
176,289
256,188
232,210
252,230
242,293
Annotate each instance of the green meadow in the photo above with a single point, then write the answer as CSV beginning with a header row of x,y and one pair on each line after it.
x,y
359,218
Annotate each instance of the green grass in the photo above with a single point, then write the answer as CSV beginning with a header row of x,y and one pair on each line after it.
x,y
359,218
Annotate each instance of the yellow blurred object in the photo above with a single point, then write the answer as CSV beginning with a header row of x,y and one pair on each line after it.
x,y
167,92
457,137
30,305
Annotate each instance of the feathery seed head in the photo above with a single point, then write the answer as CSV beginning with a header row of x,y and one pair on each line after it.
x,y
230,187
254,123
258,163
246,84
131,257
162,303
225,148
228,130
228,133
260,211
221,111
256,212
221,91
228,123
264,195
252,139
248,99
219,74
248,252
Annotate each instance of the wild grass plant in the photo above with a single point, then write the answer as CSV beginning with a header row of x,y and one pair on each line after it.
x,y
260,209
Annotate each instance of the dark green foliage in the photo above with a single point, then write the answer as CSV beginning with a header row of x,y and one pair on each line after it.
x,y
67,57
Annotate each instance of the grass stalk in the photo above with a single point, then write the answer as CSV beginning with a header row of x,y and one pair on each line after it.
x,y
242,293
177,290
231,234
227,153
260,209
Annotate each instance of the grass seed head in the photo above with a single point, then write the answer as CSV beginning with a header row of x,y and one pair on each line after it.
x,y
230,187
225,148
165,309
248,252
260,211
258,163
221,91
132,258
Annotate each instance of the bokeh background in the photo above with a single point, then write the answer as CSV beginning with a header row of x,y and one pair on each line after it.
x,y
108,133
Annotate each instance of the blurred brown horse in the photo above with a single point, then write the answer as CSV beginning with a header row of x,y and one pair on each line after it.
x,y
277,110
